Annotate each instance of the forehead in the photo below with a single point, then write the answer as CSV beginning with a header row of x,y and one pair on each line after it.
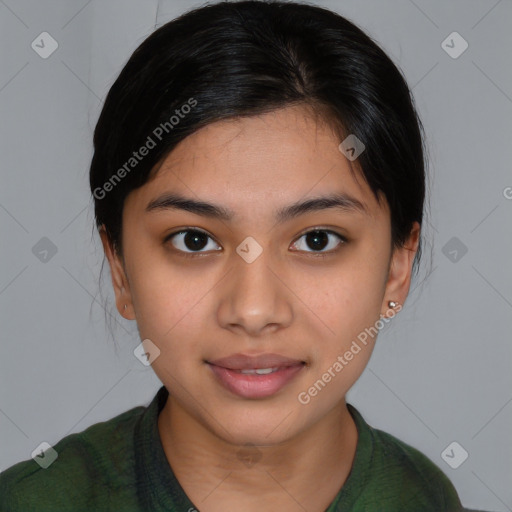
x,y
271,159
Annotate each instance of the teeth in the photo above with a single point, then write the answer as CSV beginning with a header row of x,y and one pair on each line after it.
x,y
259,371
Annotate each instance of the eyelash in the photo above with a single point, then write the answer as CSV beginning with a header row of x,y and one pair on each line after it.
x,y
314,254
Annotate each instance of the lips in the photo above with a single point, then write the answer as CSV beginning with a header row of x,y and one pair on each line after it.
x,y
247,362
255,376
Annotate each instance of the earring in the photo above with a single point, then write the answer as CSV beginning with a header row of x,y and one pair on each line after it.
x,y
125,306
391,304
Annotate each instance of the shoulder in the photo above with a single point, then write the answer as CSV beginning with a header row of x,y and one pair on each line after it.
x,y
402,475
419,475
90,467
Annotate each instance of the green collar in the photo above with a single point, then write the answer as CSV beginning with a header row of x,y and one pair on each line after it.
x,y
159,490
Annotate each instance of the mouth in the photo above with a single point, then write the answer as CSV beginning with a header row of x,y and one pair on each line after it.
x,y
255,376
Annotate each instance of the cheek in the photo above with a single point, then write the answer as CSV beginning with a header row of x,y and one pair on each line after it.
x,y
172,317
351,310
348,301
168,307
159,293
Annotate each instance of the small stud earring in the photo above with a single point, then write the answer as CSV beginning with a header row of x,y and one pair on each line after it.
x,y
392,305
125,306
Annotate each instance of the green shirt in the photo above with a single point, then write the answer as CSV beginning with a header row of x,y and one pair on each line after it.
x,y
120,465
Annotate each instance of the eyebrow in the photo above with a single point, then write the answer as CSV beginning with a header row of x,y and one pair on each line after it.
x,y
340,201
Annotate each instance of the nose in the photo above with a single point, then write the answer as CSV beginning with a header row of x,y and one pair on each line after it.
x,y
255,299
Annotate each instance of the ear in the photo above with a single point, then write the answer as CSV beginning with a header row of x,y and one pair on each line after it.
x,y
119,279
399,276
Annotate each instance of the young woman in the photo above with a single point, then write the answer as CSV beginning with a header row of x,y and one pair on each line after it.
x,y
258,181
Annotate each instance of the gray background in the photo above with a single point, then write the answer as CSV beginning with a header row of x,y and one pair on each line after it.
x,y
441,370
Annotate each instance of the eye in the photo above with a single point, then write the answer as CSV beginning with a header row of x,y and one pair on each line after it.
x,y
190,241
318,239
193,240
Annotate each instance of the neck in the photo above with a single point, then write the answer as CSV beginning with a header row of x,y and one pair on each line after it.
x,y
215,473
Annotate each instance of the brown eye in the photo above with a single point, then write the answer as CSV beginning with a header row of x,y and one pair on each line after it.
x,y
319,240
191,240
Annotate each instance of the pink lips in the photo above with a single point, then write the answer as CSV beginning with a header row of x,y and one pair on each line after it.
x,y
228,370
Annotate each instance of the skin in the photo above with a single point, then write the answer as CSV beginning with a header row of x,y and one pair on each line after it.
x,y
288,301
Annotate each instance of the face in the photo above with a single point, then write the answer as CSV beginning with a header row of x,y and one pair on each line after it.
x,y
254,283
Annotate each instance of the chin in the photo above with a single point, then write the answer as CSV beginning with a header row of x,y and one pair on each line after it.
x,y
272,426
